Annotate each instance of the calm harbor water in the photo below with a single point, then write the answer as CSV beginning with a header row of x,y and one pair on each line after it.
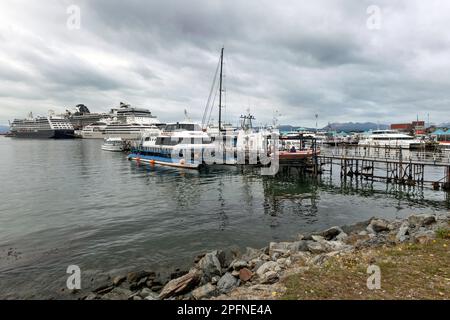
x,y
68,202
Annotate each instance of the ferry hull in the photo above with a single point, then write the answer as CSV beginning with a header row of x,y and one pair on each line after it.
x,y
163,161
45,134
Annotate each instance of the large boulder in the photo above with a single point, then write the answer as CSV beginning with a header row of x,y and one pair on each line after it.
x,y
180,285
210,265
316,247
227,283
331,233
378,225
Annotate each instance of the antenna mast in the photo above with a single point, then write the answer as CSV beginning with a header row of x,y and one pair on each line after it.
x,y
220,90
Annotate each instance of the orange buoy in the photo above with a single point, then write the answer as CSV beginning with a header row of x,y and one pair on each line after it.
x,y
152,162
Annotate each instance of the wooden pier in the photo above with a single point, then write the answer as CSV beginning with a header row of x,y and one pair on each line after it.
x,y
393,166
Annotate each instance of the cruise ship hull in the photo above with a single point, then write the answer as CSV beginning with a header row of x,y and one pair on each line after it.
x,y
45,134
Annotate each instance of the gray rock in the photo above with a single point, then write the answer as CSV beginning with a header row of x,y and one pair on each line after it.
x,y
270,277
145,293
91,296
104,289
227,283
258,264
118,294
341,236
156,287
378,225
403,232
331,233
152,296
423,236
118,280
316,247
288,262
206,291
238,264
134,277
268,266
251,253
337,246
317,238
215,279
284,248
420,220
210,265
264,257
275,256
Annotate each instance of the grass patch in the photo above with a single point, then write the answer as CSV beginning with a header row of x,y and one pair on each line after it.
x,y
408,271
443,233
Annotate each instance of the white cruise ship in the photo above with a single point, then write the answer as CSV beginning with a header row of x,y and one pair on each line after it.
x,y
127,131
389,139
125,122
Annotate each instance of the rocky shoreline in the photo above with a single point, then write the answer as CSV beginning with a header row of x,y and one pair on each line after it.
x,y
255,274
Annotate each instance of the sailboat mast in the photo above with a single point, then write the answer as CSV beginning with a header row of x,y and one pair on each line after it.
x,y
220,91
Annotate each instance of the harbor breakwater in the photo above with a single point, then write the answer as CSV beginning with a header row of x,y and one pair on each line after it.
x,y
256,273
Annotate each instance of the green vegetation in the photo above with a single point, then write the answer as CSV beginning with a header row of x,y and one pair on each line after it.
x,y
408,271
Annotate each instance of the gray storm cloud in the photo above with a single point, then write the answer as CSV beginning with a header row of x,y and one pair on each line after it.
x,y
297,57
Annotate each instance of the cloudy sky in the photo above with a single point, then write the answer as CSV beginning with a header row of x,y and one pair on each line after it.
x,y
339,59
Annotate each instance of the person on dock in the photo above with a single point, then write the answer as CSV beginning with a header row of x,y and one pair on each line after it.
x,y
293,150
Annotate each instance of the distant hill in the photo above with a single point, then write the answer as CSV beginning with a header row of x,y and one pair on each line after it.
x,y
355,126
4,129
287,127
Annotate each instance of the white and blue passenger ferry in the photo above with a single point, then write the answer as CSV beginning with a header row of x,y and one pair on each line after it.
x,y
181,144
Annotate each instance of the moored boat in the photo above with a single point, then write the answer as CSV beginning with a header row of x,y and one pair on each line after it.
x,y
181,144
390,139
114,145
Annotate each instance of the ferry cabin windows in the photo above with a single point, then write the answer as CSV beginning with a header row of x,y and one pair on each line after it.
x,y
173,141
182,127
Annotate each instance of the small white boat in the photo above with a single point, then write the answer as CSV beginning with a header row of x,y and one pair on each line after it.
x,y
113,144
